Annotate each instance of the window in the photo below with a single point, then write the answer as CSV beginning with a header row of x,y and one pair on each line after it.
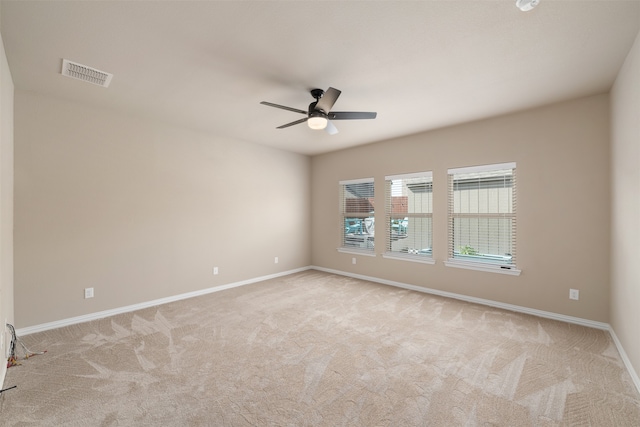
x,y
482,218
357,215
409,222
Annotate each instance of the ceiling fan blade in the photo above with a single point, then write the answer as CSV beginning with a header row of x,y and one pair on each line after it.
x,y
328,99
293,123
331,129
295,110
352,115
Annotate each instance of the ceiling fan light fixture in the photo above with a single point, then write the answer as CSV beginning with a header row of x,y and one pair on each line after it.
x,y
317,121
526,5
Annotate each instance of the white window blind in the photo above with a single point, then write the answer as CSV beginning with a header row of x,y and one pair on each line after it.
x,y
482,215
408,211
357,214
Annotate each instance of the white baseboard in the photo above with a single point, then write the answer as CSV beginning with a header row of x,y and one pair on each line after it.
x,y
3,372
625,359
106,313
490,303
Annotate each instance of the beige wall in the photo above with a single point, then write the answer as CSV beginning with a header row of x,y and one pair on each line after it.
x,y
141,210
6,206
562,155
625,167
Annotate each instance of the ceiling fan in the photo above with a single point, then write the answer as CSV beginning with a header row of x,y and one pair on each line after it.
x,y
319,115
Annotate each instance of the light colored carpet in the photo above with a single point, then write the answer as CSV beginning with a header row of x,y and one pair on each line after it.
x,y
315,349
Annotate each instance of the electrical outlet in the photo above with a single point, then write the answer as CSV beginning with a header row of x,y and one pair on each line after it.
x,y
353,260
215,271
574,294
275,261
88,293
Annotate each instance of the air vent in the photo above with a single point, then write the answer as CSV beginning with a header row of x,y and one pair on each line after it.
x,y
84,73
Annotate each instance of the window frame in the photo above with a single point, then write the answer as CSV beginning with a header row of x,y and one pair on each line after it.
x,y
494,266
345,215
389,214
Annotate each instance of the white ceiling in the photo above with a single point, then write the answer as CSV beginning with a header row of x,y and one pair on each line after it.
x,y
421,65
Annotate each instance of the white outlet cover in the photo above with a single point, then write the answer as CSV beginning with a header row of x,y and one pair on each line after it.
x,y
574,294
215,270
88,293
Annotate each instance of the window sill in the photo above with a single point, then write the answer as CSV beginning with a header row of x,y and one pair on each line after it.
x,y
356,252
491,268
419,259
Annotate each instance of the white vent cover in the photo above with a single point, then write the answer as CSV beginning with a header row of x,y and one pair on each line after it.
x,y
84,73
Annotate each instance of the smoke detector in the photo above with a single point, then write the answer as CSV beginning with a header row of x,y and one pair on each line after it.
x,y
85,73
526,5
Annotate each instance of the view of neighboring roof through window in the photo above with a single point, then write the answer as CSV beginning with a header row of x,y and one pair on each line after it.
x,y
409,222
357,215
